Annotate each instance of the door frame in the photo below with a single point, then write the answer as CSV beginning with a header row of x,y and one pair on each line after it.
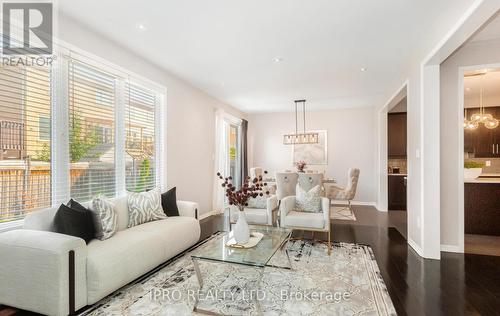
x,y
461,143
383,148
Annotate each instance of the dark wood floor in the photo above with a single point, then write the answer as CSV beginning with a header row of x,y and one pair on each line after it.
x,y
456,285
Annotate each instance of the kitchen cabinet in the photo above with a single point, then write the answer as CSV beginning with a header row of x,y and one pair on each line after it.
x,y
483,142
396,135
482,208
397,192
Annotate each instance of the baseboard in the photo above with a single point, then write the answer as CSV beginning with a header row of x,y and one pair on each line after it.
x,y
451,248
415,247
208,214
360,203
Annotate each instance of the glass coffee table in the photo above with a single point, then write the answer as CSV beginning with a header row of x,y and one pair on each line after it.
x,y
258,257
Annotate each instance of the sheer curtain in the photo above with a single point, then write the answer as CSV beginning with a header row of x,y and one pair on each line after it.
x,y
220,164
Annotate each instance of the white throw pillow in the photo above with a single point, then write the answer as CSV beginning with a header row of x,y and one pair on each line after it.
x,y
105,217
258,202
144,207
309,201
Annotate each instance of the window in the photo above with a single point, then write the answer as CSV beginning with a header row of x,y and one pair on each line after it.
x,y
140,153
106,135
91,143
44,128
25,146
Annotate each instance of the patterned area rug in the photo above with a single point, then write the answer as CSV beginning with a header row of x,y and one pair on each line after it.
x,y
342,212
346,283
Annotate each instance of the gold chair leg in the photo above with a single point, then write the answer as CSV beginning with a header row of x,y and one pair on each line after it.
x,y
329,243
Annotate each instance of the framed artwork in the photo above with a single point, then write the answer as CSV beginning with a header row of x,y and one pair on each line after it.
x,y
313,154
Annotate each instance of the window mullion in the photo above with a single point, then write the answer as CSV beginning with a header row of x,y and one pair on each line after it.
x,y
60,132
120,137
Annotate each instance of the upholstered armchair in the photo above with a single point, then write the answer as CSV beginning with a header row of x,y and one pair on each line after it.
x,y
349,192
259,212
317,221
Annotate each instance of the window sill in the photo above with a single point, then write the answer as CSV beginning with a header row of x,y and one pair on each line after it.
x,y
11,225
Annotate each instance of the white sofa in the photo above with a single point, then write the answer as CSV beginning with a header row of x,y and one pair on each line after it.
x,y
55,274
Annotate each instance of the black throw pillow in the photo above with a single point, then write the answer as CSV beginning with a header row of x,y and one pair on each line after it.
x,y
169,202
75,220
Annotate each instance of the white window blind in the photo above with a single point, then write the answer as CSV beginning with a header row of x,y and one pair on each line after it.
x,y
91,131
76,130
25,143
140,149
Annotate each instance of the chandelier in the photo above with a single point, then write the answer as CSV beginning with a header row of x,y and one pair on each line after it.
x,y
300,138
481,117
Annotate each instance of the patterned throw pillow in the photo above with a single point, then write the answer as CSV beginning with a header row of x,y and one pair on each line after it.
x,y
258,202
144,207
308,201
105,217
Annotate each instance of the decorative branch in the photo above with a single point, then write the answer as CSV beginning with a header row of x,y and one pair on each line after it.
x,y
251,188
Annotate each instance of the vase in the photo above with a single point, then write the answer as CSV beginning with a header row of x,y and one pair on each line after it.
x,y
241,230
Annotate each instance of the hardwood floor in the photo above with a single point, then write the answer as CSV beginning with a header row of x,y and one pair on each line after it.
x,y
457,285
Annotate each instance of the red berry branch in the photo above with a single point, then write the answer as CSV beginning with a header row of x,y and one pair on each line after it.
x,y
251,188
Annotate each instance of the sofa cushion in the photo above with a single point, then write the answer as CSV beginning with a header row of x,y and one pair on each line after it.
x,y
105,217
169,202
75,220
304,219
308,201
131,253
144,207
121,207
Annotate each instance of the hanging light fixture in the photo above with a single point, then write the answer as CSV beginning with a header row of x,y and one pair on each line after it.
x,y
469,124
484,118
304,137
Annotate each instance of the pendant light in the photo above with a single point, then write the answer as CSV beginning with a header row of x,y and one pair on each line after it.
x,y
469,124
484,118
304,137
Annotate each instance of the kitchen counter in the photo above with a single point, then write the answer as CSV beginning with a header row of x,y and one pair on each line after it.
x,y
485,178
482,206
398,174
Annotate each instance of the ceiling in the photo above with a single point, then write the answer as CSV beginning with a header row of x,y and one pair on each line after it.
x,y
491,89
230,48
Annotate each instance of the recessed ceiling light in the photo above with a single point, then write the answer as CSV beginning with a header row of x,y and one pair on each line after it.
x,y
363,69
278,59
141,27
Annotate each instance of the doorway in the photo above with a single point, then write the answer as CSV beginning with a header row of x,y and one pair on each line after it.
x,y
481,155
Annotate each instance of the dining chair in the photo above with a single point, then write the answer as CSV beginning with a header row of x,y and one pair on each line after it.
x,y
308,181
348,192
285,184
256,172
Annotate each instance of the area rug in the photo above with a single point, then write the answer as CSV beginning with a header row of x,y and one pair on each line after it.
x,y
342,213
346,283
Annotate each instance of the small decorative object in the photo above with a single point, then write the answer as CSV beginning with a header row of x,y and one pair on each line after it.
x,y
251,188
301,165
472,170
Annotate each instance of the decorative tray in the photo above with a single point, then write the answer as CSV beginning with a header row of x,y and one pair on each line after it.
x,y
254,239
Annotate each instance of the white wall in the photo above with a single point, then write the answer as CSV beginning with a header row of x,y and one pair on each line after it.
x,y
351,143
476,53
190,115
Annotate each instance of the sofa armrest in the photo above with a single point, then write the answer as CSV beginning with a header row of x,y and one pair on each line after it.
x,y
43,272
287,205
325,207
187,208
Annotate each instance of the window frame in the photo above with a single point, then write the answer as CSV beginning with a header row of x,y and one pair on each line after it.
x,y
59,119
